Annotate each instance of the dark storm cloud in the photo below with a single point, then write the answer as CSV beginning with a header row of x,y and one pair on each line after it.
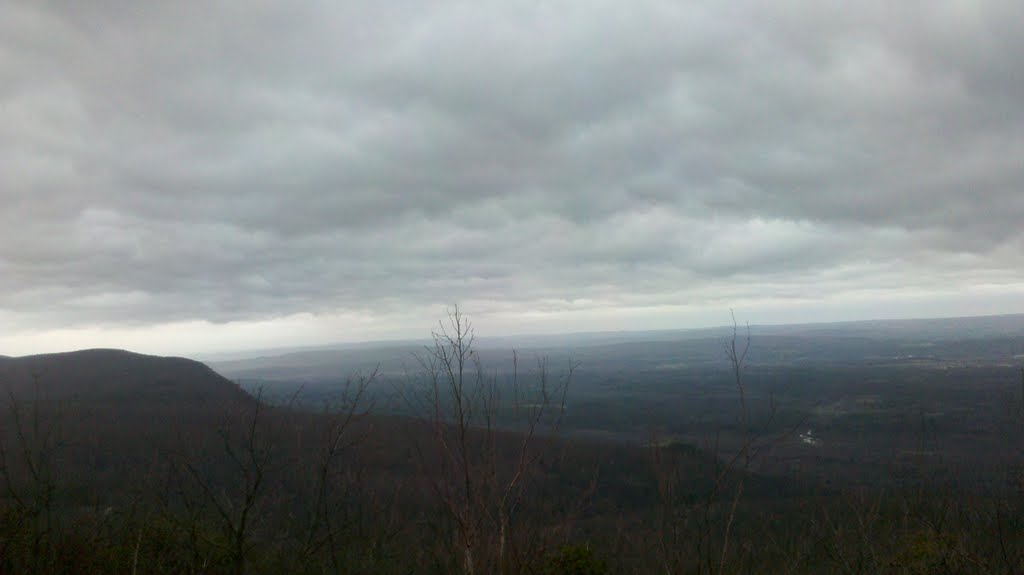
x,y
238,161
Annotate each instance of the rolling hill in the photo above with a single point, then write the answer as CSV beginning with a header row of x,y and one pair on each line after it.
x,y
109,374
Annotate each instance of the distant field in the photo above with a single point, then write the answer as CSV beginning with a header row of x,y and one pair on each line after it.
x,y
874,394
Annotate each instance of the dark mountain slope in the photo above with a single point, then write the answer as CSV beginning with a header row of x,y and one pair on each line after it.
x,y
109,374
104,418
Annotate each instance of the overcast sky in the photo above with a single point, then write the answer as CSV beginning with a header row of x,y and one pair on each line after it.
x,y
182,177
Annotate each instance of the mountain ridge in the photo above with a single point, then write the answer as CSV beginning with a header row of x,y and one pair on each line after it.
x,y
115,373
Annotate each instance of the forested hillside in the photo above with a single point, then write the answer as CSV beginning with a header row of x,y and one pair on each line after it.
x,y
116,462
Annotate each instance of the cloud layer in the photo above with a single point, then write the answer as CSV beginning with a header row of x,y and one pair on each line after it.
x,y
165,163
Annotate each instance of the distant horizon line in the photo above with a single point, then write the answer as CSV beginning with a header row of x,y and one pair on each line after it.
x,y
258,352
248,353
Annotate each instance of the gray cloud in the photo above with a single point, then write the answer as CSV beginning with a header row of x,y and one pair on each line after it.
x,y
239,161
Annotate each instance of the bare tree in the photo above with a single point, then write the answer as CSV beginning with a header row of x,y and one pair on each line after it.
x,y
335,437
27,468
486,437
235,487
710,521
